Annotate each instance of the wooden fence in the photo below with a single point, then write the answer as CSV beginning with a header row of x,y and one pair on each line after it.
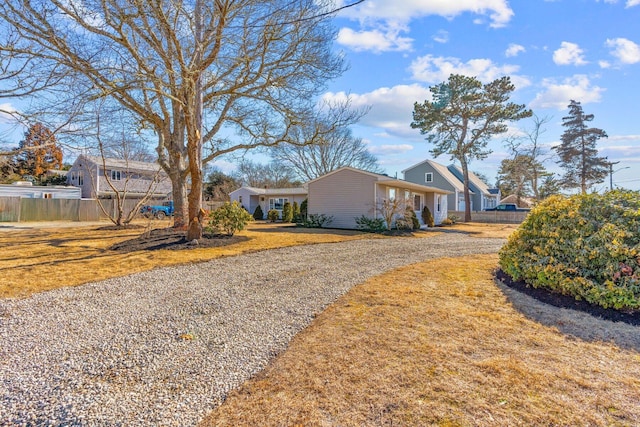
x,y
16,209
493,217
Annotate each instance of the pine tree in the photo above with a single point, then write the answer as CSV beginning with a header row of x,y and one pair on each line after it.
x,y
578,153
38,152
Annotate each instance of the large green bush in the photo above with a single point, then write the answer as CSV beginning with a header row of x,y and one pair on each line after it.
x,y
287,212
228,219
586,246
273,215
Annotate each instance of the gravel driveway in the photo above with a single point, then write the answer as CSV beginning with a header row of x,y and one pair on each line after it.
x,y
165,347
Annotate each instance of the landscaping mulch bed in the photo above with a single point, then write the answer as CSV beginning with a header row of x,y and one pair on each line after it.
x,y
569,302
170,238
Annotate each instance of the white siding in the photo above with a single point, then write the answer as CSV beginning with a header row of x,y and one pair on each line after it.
x,y
344,195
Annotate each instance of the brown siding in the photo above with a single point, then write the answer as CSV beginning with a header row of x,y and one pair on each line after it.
x,y
344,195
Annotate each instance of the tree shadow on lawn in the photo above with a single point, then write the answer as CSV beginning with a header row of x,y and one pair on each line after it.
x,y
172,239
578,319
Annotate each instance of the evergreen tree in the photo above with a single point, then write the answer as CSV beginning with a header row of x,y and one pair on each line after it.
x,y
463,116
38,152
578,153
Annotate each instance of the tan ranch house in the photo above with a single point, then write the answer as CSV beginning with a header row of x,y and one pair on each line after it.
x,y
348,193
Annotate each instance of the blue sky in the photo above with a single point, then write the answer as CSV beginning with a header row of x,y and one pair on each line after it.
x,y
554,51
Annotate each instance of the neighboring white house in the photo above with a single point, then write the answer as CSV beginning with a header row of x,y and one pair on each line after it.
x,y
136,178
25,189
449,178
348,193
267,198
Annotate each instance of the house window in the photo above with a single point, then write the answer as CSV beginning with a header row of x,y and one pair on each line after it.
x,y
115,176
407,196
47,195
438,197
417,202
392,193
428,177
80,179
277,204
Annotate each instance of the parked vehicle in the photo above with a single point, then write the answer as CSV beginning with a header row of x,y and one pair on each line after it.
x,y
158,211
508,207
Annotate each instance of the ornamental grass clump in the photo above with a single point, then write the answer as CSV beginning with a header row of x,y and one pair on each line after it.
x,y
586,246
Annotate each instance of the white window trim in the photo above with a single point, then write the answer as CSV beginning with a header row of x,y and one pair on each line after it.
x,y
428,177
284,200
116,175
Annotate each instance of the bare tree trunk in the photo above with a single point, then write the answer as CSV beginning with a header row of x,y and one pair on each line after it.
x,y
195,194
467,197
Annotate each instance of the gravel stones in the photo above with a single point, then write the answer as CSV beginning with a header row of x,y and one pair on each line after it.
x,y
164,347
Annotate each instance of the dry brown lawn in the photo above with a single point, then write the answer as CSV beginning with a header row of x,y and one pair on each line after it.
x,y
477,229
40,259
437,343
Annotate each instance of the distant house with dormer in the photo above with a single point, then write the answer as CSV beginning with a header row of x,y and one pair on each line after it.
x,y
450,178
135,178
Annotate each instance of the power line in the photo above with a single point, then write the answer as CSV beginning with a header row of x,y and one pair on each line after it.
x,y
294,21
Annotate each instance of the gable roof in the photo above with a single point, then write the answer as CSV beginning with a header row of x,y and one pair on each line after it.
x,y
444,173
387,180
475,180
122,164
273,191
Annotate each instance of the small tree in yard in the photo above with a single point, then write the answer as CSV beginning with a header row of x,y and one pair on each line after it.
x,y
258,214
228,219
287,212
296,212
390,209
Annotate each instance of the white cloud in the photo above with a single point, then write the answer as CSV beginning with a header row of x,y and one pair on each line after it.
x,y
377,40
514,50
569,54
390,149
631,3
441,36
624,50
498,11
604,64
391,107
6,110
559,94
432,69
224,166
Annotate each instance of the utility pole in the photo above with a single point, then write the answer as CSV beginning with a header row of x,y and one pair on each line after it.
x,y
611,174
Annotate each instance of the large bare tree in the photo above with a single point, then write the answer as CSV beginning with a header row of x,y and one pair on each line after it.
x,y
208,77
314,155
